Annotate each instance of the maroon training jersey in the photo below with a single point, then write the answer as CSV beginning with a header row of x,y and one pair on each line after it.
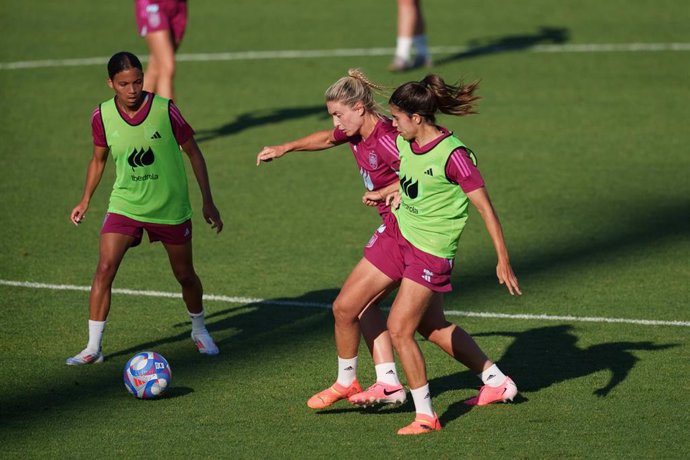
x,y
377,156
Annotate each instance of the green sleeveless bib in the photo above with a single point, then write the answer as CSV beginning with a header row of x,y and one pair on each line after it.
x,y
433,210
150,179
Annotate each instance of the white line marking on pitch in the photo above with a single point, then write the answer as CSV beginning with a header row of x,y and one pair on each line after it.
x,y
363,52
299,303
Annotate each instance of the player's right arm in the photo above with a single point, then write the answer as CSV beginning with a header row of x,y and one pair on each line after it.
x,y
374,197
94,173
319,140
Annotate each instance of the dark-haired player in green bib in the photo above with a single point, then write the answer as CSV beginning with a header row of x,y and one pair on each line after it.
x,y
151,182
416,246
143,133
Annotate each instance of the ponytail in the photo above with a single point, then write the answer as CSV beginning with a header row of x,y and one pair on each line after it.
x,y
355,87
432,94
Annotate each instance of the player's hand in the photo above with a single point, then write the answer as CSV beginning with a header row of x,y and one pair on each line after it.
x,y
212,217
269,153
372,198
78,213
505,275
393,200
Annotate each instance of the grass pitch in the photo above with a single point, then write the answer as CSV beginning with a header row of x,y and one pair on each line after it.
x,y
584,153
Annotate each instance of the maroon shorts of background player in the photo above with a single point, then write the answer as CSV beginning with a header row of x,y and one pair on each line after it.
x,y
397,258
152,16
165,233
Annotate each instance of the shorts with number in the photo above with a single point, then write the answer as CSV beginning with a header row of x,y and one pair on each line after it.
x,y
155,15
397,258
165,233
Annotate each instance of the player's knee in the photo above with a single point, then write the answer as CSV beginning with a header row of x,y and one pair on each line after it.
x,y
399,333
166,68
186,278
152,70
105,271
343,312
433,332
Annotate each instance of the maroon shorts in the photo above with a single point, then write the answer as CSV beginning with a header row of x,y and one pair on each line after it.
x,y
155,15
397,258
165,233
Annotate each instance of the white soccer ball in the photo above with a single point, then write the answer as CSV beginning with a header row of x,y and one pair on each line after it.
x,y
147,375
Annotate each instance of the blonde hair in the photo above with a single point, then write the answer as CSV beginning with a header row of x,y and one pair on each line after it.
x,y
355,87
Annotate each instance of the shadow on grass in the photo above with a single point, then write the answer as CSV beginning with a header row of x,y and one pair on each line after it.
x,y
171,393
176,392
261,322
258,327
541,357
259,118
509,43
536,359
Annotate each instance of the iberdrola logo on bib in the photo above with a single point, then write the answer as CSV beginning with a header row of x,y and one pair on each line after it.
x,y
141,157
409,186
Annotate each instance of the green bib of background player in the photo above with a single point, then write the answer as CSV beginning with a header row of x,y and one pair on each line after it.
x,y
433,211
151,183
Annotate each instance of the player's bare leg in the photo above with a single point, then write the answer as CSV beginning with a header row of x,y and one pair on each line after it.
x,y
387,389
160,70
181,262
111,251
408,309
365,285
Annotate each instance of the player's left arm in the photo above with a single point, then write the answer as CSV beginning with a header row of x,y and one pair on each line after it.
x,y
196,158
480,199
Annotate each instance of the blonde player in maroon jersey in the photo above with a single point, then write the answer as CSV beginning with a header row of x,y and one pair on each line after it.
x,y
358,121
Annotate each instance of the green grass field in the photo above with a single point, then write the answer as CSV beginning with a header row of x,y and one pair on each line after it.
x,y
585,156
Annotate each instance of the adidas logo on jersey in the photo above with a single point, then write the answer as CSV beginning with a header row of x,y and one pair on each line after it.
x,y
156,135
429,172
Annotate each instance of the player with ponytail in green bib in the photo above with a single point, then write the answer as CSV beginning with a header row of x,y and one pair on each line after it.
x,y
416,246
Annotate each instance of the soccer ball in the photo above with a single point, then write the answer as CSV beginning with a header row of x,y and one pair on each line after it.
x,y
147,375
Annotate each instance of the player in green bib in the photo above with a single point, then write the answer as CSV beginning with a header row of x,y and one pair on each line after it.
x,y
415,248
151,183
431,214
143,133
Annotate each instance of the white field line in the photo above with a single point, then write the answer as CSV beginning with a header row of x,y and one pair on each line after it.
x,y
363,52
298,303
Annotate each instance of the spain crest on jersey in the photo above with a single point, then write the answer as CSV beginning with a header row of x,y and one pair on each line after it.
x,y
373,160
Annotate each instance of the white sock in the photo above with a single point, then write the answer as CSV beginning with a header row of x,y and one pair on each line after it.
x,y
403,48
347,371
492,376
385,372
96,329
422,400
198,322
419,43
